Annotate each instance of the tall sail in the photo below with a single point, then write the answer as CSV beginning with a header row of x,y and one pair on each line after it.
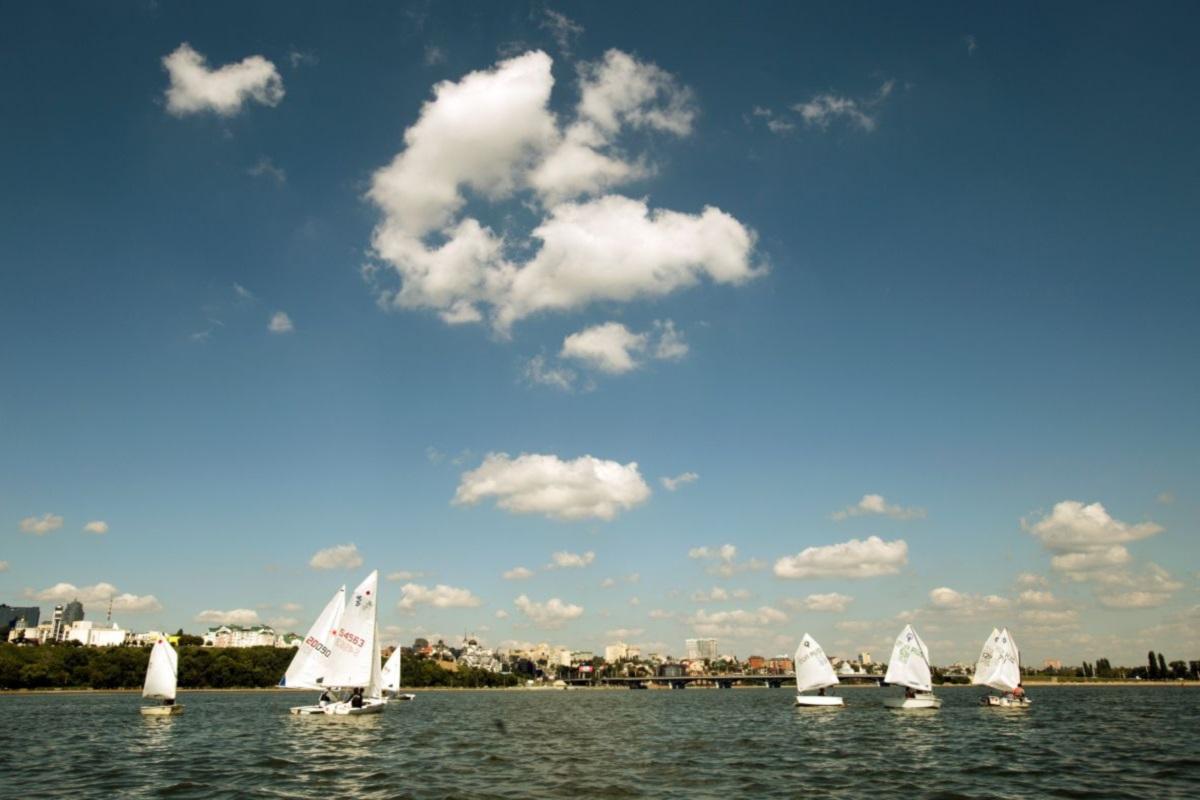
x,y
391,673
813,670
311,662
987,659
1007,672
162,673
909,665
354,647
375,687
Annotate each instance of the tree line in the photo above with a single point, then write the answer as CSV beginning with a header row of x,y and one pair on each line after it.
x,y
1156,669
72,666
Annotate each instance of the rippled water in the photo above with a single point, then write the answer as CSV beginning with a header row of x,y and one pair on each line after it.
x,y
1074,742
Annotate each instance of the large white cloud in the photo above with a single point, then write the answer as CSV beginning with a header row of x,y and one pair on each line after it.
x,y
440,596
853,559
195,87
40,526
553,613
610,347
946,599
341,556
582,488
736,623
237,616
98,594
492,133
1075,527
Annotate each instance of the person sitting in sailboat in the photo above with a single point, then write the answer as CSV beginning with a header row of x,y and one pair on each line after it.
x,y
326,698
356,699
1018,692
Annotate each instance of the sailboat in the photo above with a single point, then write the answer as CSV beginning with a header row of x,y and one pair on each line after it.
x,y
391,678
999,666
813,671
909,667
343,657
162,674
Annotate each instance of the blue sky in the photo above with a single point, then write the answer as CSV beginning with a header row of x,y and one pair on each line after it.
x,y
937,267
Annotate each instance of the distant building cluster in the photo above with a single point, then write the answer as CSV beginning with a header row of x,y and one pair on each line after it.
x,y
248,636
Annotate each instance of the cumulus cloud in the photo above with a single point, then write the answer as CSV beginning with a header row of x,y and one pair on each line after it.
x,y
1134,599
737,623
874,504
280,323
1075,527
719,594
583,488
1030,579
97,526
100,593
946,599
564,559
610,347
554,613
501,614
405,575
1036,597
290,606
853,559
682,479
1090,563
195,87
237,616
440,596
342,556
825,108
832,602
518,574
564,29
660,613
624,633
491,133
538,370
1050,620
40,526
724,560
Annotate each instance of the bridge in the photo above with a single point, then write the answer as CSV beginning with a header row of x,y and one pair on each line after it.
x,y
726,680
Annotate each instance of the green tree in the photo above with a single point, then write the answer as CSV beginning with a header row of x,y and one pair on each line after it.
x,y
1152,672
1162,668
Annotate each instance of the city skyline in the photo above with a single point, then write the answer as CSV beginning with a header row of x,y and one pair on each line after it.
x,y
579,333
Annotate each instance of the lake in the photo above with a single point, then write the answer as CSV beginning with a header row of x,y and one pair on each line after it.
x,y
1074,742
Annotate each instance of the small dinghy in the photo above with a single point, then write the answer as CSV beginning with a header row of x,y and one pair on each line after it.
x,y
813,671
346,664
909,667
999,667
161,678
311,662
391,678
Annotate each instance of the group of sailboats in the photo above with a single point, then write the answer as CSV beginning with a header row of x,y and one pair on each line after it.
x,y
999,667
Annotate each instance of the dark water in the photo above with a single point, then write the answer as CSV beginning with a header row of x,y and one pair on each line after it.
x,y
1074,742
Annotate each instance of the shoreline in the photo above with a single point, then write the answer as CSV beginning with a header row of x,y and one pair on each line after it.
x,y
419,689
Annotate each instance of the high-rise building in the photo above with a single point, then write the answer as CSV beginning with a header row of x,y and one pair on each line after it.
x,y
701,649
56,624
72,613
10,616
864,659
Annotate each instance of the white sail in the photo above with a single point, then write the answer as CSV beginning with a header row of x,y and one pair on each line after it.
x,y
987,659
312,659
813,670
355,653
391,673
909,665
162,673
1007,672
375,687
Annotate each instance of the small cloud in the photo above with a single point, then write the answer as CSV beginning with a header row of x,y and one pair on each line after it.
x,y
538,371
342,556
518,574
553,613
971,44
501,614
280,323
874,504
237,616
1030,579
434,55
302,58
856,558
724,560
283,623
565,560
96,526
40,526
196,88
608,583
661,613
671,484
404,575
242,293
832,602
3,566
265,168
440,596
823,109
564,29
1166,498
291,607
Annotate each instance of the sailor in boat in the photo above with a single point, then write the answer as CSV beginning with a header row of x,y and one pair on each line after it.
x,y
909,694
821,692
326,698
1018,693
356,699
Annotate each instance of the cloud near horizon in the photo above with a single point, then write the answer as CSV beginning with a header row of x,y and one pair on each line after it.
x,y
856,558
341,556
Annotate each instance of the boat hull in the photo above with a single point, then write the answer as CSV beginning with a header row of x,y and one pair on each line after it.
x,y
994,701
340,709
921,701
818,701
161,711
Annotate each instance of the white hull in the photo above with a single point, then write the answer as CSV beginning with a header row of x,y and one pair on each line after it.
x,y
1006,702
341,709
161,711
816,700
405,697
921,701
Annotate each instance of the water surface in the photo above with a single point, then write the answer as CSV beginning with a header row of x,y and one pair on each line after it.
x,y
1075,742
